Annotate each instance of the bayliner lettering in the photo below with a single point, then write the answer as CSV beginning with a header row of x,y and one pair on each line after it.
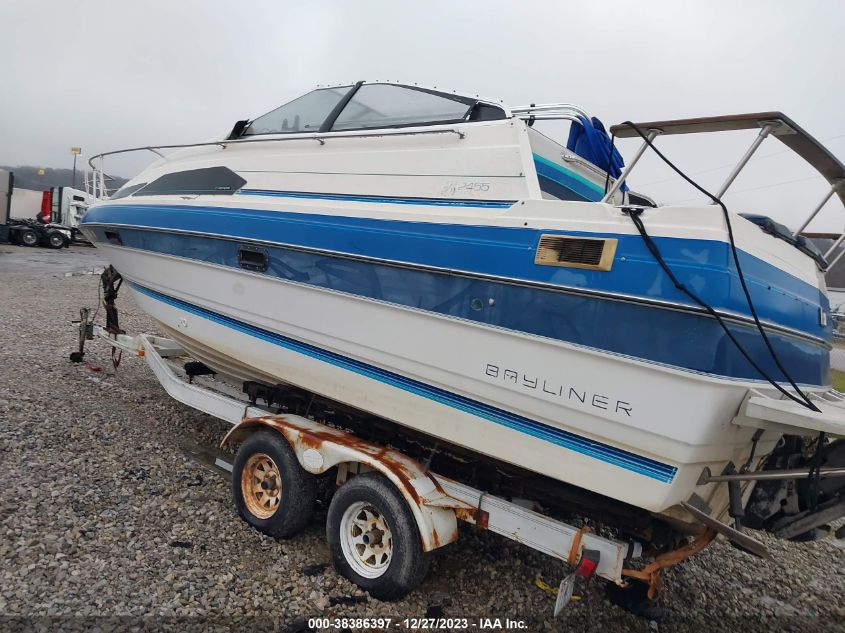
x,y
558,389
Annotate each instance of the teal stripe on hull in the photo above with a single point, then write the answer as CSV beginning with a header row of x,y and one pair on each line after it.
x,y
632,462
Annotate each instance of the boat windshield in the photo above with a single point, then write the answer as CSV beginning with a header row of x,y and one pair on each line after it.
x,y
388,105
304,114
369,106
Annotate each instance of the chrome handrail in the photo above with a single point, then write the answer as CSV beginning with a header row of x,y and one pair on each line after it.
x,y
546,108
320,138
551,112
549,117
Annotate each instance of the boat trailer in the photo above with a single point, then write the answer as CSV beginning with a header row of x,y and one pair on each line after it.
x,y
436,502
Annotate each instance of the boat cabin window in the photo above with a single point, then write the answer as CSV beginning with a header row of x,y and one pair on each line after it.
x,y
388,105
305,114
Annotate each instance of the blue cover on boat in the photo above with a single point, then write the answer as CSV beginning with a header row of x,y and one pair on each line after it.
x,y
781,232
591,142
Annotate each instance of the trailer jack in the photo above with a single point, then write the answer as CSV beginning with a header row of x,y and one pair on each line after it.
x,y
86,333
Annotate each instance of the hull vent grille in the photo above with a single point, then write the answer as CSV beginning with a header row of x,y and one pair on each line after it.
x,y
576,252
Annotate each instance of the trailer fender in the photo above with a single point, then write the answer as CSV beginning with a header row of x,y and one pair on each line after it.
x,y
319,448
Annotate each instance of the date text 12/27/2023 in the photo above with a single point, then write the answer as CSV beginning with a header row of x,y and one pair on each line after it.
x,y
417,624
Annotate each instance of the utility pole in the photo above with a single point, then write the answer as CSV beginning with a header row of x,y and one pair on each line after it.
x,y
76,151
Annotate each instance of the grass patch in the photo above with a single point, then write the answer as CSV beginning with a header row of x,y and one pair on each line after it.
x,y
838,379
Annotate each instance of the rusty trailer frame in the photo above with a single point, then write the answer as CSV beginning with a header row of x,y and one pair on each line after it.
x,y
436,502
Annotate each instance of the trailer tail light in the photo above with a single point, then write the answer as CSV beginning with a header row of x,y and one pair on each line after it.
x,y
588,564
586,569
46,207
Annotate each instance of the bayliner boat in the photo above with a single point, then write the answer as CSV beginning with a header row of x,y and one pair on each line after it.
x,y
433,261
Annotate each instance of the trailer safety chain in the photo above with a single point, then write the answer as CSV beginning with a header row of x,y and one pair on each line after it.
x,y
651,573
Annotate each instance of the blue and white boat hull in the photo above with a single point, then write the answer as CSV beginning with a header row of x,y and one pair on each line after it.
x,y
631,430
428,303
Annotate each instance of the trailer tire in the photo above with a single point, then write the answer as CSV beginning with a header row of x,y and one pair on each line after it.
x,y
283,493
390,567
28,237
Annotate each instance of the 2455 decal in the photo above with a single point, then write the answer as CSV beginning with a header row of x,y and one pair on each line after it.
x,y
459,188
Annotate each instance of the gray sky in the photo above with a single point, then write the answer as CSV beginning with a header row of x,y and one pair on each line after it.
x,y
105,74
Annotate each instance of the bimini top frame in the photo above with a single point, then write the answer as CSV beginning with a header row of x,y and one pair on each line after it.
x,y
775,124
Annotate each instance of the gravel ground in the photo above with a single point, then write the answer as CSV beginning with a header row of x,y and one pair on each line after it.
x,y
104,520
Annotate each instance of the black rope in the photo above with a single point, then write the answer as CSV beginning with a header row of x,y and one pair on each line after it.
x,y
803,400
815,473
634,213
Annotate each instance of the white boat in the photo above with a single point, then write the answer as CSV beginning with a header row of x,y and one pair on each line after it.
x,y
434,261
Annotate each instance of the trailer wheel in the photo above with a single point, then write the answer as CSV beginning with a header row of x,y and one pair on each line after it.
x,y
374,538
271,491
28,237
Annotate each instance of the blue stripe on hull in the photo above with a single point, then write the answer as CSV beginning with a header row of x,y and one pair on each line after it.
x,y
558,181
703,265
559,191
597,450
681,339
